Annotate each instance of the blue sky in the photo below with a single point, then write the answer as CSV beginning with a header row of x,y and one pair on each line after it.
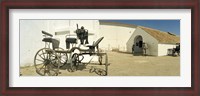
x,y
172,26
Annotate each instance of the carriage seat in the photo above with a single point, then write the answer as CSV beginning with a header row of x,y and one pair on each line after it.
x,y
69,41
55,42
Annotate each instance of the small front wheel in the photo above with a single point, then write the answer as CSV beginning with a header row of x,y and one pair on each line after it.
x,y
74,62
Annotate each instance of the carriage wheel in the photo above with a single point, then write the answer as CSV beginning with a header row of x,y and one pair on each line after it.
x,y
62,56
44,60
74,63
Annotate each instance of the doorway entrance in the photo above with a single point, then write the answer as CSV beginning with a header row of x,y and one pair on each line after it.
x,y
137,45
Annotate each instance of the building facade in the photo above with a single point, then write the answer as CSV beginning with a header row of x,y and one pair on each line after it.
x,y
130,38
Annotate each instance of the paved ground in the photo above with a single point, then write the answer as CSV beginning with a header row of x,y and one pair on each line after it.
x,y
122,64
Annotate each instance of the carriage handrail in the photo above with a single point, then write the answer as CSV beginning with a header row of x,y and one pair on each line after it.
x,y
46,33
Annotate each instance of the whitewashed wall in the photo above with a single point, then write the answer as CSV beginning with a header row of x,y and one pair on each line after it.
x,y
31,39
151,42
31,36
70,25
163,49
115,37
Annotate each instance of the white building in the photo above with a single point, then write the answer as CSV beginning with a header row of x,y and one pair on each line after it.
x,y
122,37
117,36
158,42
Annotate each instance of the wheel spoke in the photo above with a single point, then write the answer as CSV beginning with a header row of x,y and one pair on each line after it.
x,y
39,64
39,60
45,70
41,70
47,57
41,67
41,56
51,71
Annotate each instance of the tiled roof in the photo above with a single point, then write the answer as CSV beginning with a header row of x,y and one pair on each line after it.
x,y
162,37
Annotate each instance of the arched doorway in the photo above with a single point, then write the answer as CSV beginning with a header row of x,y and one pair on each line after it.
x,y
137,45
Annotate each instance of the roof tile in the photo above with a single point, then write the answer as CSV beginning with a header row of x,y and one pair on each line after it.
x,y
162,37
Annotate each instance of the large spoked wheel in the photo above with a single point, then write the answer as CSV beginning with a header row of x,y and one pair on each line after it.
x,y
62,56
44,62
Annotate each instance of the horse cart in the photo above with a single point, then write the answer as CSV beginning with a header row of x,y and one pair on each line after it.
x,y
50,59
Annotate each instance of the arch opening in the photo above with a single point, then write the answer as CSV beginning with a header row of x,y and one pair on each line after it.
x,y
137,45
